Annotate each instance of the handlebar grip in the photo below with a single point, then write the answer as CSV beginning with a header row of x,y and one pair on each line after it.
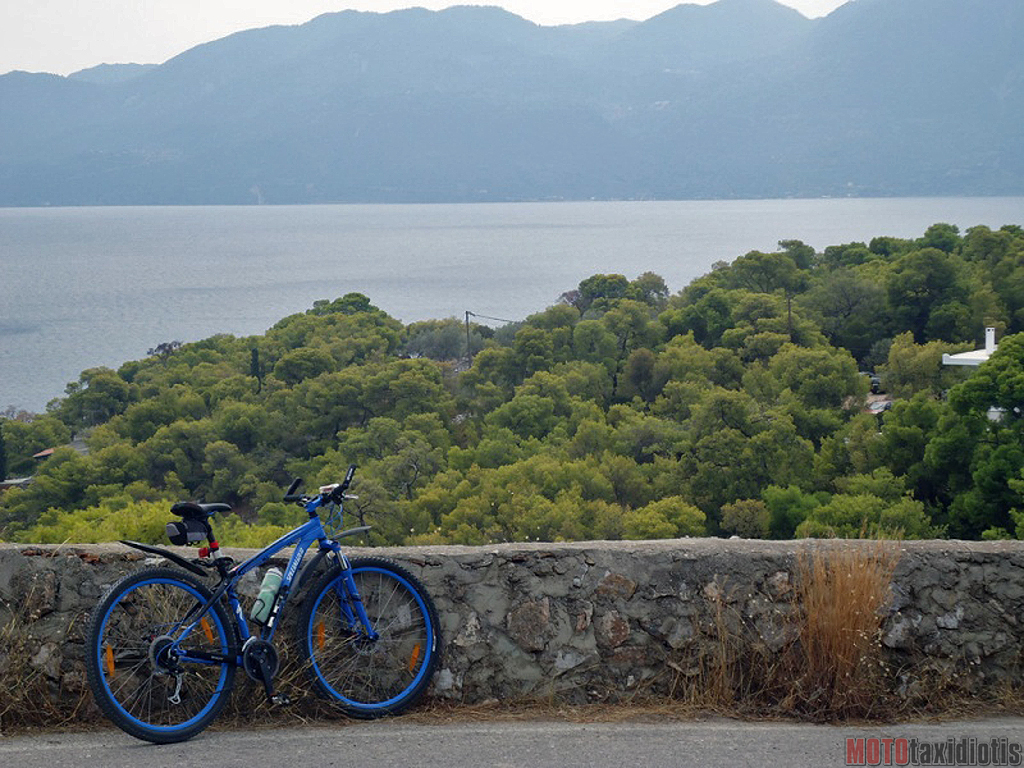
x,y
293,488
293,497
344,484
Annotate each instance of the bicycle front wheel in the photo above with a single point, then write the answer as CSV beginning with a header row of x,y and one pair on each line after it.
x,y
370,676
144,680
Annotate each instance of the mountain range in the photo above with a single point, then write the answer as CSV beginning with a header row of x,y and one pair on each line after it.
x,y
740,98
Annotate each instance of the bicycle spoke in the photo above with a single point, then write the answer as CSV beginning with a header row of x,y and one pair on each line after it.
x,y
370,673
143,679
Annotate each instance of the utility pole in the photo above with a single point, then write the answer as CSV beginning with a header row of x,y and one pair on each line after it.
x,y
469,351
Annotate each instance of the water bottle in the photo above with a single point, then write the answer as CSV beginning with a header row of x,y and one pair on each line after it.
x,y
268,591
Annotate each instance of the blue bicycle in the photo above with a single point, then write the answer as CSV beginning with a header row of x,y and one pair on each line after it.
x,y
163,647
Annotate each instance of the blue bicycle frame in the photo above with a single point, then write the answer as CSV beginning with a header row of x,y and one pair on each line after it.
x,y
302,538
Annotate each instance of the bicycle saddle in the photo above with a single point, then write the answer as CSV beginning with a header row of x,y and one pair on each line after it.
x,y
195,511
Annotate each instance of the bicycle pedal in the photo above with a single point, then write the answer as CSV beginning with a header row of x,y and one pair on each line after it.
x,y
280,700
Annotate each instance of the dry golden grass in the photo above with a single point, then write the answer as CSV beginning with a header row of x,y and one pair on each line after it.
x,y
832,669
842,594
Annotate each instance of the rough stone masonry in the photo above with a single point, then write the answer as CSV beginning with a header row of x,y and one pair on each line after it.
x,y
585,621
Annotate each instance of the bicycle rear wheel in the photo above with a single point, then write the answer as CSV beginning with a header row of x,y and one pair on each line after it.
x,y
146,684
370,677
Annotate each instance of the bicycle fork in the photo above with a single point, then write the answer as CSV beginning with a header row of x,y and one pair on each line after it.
x,y
351,604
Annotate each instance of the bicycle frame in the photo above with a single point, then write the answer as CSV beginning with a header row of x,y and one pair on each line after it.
x,y
302,538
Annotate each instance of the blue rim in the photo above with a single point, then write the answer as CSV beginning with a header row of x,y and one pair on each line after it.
x,y
427,657
215,696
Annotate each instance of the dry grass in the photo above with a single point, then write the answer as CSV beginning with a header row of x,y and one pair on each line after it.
x,y
729,671
832,666
29,697
842,594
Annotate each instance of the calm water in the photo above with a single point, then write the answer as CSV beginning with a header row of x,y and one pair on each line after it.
x,y
81,287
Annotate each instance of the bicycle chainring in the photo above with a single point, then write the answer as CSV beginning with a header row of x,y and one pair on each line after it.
x,y
256,650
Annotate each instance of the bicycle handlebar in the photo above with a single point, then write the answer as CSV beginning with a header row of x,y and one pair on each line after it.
x,y
334,494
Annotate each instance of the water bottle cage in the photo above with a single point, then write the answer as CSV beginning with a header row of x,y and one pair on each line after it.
x,y
263,609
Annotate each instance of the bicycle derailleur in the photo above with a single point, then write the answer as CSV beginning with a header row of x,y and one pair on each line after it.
x,y
163,659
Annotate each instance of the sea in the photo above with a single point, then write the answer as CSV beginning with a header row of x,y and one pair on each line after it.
x,y
86,287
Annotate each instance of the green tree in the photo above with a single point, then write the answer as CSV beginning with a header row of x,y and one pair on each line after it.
x,y
534,350
838,257
765,272
736,449
707,315
98,395
443,339
300,364
944,237
820,378
640,376
179,448
867,516
787,508
601,288
349,304
25,438
993,422
906,433
256,369
594,343
747,518
927,291
666,518
229,474
850,308
114,519
650,289
913,367
997,383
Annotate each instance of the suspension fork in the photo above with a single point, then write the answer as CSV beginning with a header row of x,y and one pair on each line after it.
x,y
350,601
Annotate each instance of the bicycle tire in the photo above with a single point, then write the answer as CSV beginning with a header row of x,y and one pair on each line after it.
x,y
123,657
371,678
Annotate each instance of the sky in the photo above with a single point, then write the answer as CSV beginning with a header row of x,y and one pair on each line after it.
x,y
64,36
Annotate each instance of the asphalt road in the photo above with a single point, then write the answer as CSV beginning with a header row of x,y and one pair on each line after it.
x,y
714,743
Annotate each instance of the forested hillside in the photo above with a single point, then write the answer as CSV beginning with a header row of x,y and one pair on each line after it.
x,y
734,406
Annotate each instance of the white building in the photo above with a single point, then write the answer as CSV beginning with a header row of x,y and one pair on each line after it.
x,y
978,356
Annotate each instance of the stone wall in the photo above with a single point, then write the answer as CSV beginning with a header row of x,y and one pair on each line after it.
x,y
587,621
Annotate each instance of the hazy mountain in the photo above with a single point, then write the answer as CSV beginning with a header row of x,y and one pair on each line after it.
x,y
696,37
107,74
741,98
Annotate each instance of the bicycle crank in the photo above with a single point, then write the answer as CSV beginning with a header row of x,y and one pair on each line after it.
x,y
260,662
